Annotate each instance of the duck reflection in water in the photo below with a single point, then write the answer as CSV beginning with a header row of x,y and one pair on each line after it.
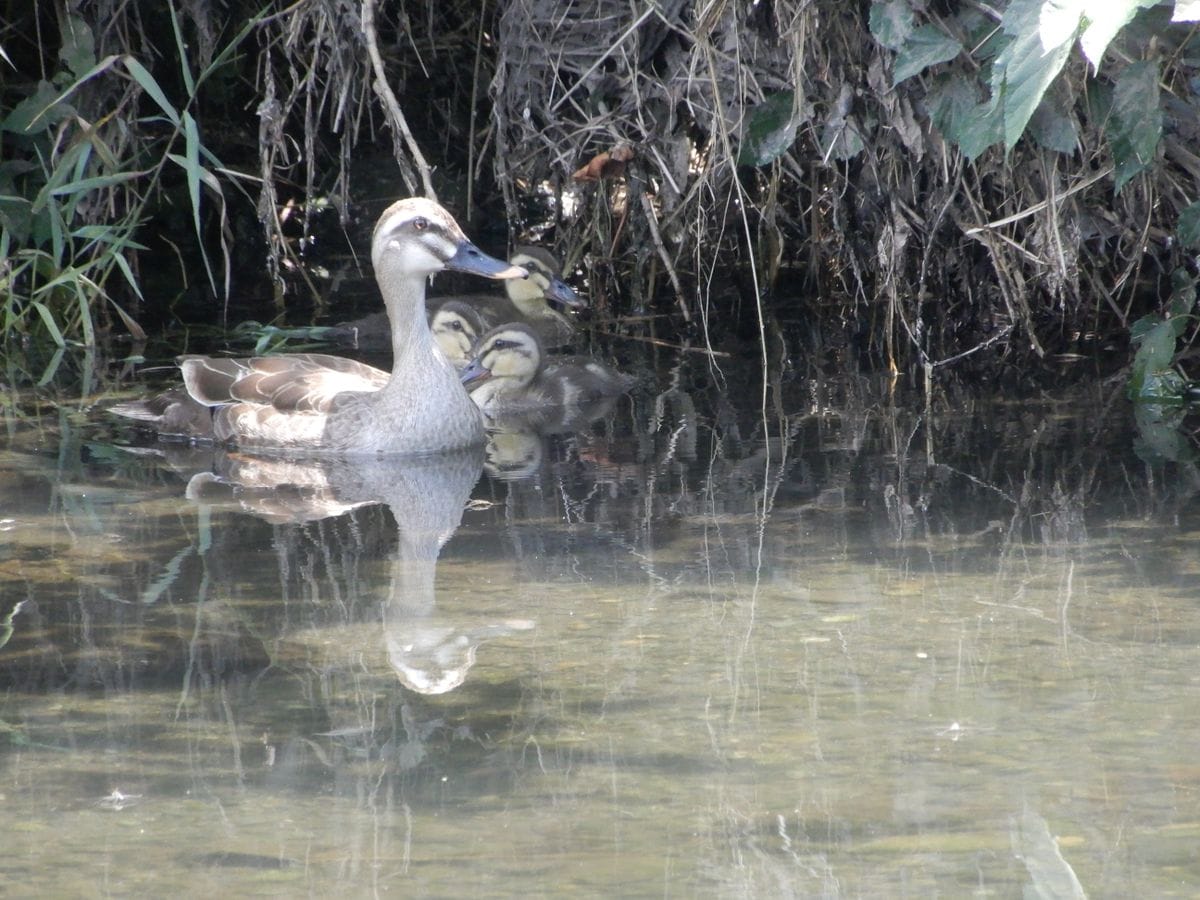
x,y
430,654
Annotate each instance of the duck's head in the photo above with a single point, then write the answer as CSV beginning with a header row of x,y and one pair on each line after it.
x,y
416,237
511,352
543,283
455,326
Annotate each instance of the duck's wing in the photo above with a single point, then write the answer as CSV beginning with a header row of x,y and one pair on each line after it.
x,y
298,382
173,414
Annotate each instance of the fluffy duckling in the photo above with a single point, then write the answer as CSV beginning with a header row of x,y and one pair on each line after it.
x,y
309,403
509,374
456,326
526,300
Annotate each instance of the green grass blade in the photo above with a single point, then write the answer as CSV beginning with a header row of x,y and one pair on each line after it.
x,y
123,265
48,321
86,76
185,68
85,316
83,185
143,77
191,166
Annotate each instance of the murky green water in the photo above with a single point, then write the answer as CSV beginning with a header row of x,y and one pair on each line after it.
x,y
889,651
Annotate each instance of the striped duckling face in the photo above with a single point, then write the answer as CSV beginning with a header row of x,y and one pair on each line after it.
x,y
417,237
456,326
507,359
530,295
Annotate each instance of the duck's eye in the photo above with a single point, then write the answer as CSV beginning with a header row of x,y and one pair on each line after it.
x,y
420,223
455,325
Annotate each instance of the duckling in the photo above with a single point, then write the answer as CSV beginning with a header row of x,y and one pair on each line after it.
x,y
509,374
309,403
526,300
456,326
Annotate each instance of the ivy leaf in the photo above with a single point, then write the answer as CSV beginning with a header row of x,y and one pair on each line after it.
x,y
1137,121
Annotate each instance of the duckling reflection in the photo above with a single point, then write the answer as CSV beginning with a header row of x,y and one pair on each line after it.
x,y
429,653
516,442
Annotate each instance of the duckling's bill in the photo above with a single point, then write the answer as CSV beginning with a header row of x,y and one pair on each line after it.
x,y
563,293
469,258
475,373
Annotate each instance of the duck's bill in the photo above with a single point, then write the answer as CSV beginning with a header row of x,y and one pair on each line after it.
x,y
562,292
474,374
470,258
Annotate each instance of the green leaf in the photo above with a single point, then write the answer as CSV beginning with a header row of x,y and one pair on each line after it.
x,y
1188,228
1186,11
1158,415
950,100
192,167
840,138
926,46
770,129
1026,67
980,128
1136,124
84,185
1142,327
48,320
85,316
1059,20
150,86
39,111
1053,128
1104,20
1183,293
78,50
1157,349
891,22
185,68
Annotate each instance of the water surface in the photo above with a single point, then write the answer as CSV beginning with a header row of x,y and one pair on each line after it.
x,y
859,645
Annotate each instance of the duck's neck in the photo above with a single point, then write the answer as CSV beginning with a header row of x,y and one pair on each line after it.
x,y
412,341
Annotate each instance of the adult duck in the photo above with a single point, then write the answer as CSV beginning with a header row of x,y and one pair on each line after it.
x,y
309,403
509,374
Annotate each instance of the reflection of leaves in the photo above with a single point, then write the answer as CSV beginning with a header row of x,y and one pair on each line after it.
x,y
1159,437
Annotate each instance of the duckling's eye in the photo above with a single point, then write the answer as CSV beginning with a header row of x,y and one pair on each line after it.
x,y
420,223
504,345
455,325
